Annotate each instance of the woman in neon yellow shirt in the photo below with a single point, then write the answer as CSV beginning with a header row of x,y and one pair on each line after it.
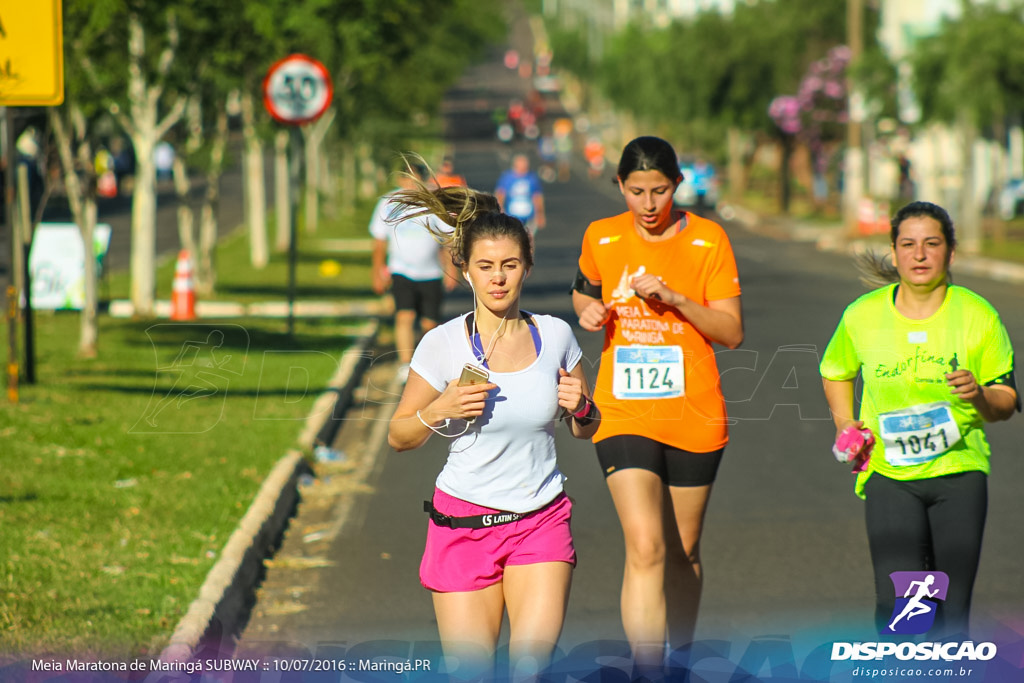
x,y
936,364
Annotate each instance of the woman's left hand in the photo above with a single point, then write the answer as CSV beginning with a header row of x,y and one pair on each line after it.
x,y
570,392
648,286
963,384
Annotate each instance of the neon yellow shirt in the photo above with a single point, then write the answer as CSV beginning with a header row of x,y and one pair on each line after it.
x,y
903,363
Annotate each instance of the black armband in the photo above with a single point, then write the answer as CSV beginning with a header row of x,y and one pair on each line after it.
x,y
1007,380
583,285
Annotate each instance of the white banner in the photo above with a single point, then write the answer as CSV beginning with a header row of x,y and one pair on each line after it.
x,y
57,264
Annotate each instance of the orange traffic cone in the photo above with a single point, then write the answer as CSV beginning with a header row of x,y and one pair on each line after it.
x,y
183,291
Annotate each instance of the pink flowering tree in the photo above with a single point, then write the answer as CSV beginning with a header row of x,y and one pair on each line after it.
x,y
816,115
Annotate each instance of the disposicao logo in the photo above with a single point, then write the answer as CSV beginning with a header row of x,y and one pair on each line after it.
x,y
917,594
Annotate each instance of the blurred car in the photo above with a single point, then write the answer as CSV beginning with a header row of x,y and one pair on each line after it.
x,y
547,84
699,186
1011,199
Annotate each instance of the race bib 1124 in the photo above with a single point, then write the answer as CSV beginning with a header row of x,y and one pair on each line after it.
x,y
648,372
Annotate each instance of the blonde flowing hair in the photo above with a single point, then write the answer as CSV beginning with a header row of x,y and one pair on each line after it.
x,y
471,214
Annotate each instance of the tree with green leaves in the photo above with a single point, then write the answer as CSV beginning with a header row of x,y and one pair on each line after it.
x,y
130,53
712,77
970,74
147,66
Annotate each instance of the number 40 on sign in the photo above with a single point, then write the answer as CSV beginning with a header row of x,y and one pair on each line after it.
x,y
297,89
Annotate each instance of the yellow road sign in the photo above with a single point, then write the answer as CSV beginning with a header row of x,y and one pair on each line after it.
x,y
31,53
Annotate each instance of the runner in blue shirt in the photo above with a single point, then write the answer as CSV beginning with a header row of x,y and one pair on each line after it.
x,y
520,195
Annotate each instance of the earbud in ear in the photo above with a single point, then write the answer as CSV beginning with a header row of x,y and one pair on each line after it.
x,y
466,275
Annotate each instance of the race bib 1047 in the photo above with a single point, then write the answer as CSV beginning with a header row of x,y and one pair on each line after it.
x,y
648,372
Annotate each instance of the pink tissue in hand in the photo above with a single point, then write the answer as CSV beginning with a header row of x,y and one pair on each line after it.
x,y
854,445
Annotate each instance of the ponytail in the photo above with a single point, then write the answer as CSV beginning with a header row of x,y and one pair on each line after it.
x,y
876,269
471,214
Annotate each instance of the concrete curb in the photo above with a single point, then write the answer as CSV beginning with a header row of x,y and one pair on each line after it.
x,y
215,615
122,308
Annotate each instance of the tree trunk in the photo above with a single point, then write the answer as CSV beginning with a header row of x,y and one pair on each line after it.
x,y
315,133
186,216
282,197
348,178
88,330
145,128
81,193
311,201
367,174
182,181
970,210
206,266
784,173
255,190
737,168
143,250
328,188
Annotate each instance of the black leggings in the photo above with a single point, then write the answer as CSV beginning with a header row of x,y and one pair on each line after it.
x,y
930,524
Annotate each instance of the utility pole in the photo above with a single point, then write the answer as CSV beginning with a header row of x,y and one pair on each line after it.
x,y
13,313
853,161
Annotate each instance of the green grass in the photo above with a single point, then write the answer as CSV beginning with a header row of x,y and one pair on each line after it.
x,y
801,206
109,522
1008,250
238,280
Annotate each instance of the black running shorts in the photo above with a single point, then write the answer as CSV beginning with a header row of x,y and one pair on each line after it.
x,y
422,296
676,467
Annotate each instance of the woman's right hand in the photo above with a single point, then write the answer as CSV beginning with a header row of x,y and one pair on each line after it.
x,y
458,402
842,425
594,317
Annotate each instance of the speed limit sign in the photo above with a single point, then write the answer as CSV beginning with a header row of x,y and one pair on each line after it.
x,y
297,89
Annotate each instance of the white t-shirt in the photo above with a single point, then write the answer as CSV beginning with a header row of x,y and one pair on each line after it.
x,y
506,459
412,251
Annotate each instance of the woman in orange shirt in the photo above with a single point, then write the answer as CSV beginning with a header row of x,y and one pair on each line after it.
x,y
662,285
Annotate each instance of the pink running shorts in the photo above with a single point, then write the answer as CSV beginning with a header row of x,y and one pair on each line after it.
x,y
457,560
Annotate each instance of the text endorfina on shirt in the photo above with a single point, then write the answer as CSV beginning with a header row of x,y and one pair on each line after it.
x,y
658,376
903,363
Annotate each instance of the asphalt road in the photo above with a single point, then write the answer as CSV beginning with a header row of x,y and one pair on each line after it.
x,y
784,548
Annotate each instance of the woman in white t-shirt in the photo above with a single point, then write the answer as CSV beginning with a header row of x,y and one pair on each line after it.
x,y
499,531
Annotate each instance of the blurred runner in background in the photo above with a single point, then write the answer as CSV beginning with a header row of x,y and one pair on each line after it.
x,y
520,194
447,177
408,260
